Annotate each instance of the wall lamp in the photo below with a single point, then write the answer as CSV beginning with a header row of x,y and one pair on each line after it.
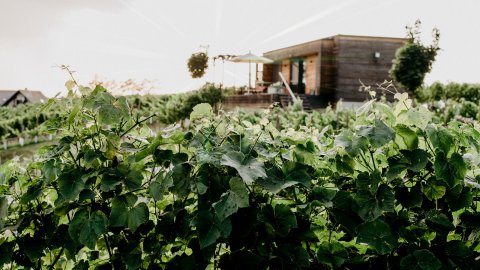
x,y
376,56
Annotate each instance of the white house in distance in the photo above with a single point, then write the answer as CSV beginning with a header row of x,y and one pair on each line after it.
x,y
15,97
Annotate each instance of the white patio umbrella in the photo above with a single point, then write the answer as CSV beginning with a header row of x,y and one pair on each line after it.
x,y
251,58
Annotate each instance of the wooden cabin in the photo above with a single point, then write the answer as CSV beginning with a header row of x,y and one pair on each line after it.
x,y
333,68
16,97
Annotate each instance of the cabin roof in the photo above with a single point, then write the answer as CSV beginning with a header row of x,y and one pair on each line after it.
x,y
6,95
34,96
31,96
313,46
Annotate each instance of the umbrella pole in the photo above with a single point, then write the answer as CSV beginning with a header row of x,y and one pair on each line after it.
x,y
249,76
223,72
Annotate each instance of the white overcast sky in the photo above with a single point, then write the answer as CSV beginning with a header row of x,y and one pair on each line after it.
x,y
151,39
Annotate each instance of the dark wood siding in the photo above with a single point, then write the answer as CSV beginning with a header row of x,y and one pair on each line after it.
x,y
356,65
328,69
270,73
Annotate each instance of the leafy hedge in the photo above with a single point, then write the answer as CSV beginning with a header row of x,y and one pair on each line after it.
x,y
391,191
22,118
454,91
27,118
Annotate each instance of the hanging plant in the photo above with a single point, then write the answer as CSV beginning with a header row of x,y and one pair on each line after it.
x,y
197,64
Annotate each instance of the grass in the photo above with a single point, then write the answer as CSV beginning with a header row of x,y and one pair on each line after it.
x,y
26,151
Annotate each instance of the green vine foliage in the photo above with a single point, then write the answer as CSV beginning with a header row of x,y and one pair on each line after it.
x,y
24,119
197,64
391,191
27,119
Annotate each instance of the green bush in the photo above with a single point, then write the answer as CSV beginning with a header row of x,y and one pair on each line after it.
x,y
414,60
452,90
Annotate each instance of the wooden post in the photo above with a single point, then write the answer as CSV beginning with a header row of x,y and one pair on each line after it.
x,y
294,98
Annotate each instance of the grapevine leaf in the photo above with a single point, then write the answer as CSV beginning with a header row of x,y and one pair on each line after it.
x,y
343,212
110,110
441,139
409,198
323,195
365,107
86,194
452,171
125,212
370,207
379,134
73,114
51,169
296,172
417,159
33,192
396,165
210,229
387,112
419,117
159,187
133,259
202,110
150,149
459,201
32,246
70,184
86,227
180,179
438,221
293,257
305,155
163,157
385,198
378,235
292,173
3,210
131,176
420,260
110,181
345,164
353,144
70,84
6,249
232,200
90,156
457,248
406,138
133,179
249,167
370,182
81,265
279,220
434,192
333,254
208,157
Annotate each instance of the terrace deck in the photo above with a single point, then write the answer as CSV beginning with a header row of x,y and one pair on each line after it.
x,y
263,101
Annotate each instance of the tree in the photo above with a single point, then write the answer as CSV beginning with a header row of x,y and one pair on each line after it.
x,y
197,64
414,60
